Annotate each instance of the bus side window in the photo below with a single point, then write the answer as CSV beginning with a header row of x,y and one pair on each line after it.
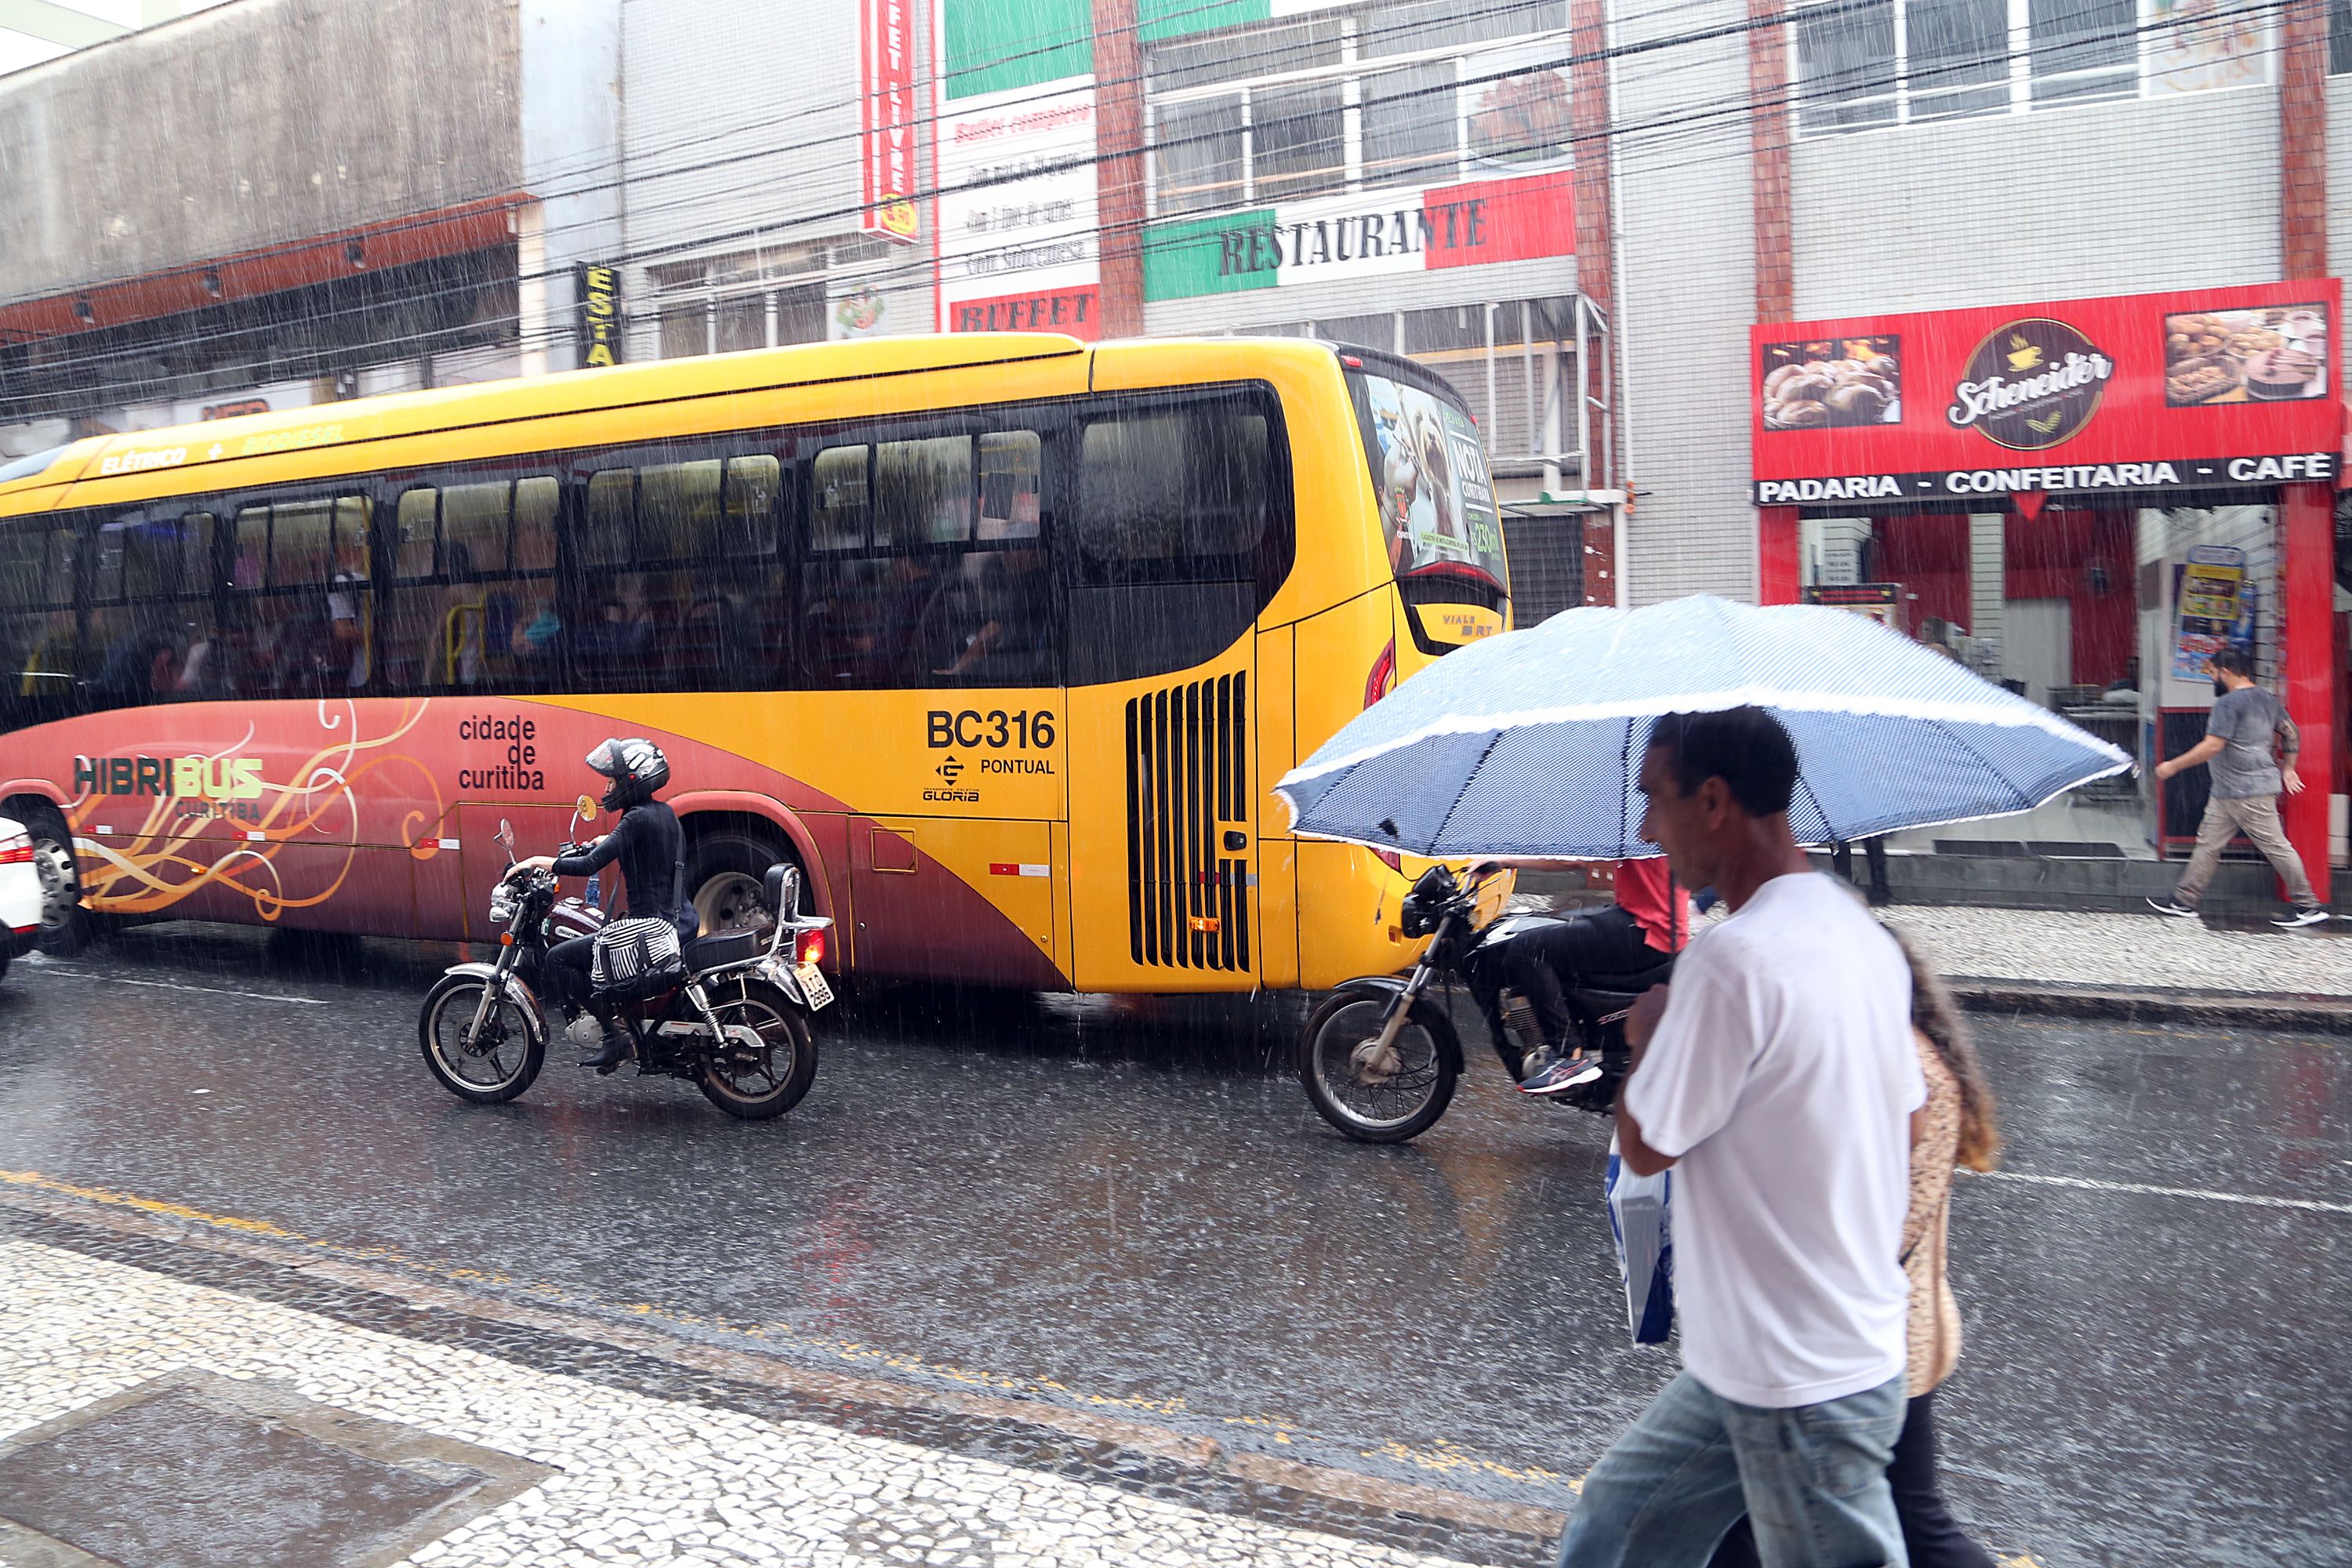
x,y
534,625
36,613
992,620
416,654
1170,533
304,623
151,613
476,610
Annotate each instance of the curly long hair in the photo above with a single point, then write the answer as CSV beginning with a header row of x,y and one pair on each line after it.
x,y
1935,1015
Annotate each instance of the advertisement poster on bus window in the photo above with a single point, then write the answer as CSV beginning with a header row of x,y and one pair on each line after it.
x,y
1438,503
2215,601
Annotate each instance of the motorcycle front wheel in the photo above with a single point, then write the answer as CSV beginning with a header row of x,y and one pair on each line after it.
x,y
1372,1096
756,1081
500,1063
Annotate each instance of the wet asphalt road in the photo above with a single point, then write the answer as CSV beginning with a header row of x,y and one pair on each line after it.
x,y
1112,1203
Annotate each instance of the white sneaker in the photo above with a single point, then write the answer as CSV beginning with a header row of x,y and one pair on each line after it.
x,y
2178,911
2310,917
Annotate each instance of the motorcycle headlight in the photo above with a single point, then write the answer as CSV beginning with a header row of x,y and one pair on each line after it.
x,y
501,908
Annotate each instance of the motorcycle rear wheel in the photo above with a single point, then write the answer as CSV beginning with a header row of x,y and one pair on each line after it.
x,y
1374,1102
765,1082
500,1067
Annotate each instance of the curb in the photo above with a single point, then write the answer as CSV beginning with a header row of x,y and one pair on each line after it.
x,y
2298,1013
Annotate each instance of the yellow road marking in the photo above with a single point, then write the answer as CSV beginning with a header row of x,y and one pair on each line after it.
x,y
1444,1458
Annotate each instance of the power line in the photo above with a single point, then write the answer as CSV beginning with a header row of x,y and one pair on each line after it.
x,y
1679,128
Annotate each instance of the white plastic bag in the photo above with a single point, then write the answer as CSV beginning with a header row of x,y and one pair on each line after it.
x,y
1639,1220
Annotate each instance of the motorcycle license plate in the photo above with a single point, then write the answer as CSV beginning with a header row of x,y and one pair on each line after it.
x,y
812,984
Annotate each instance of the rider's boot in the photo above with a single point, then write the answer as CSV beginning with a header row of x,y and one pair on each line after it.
x,y
617,1044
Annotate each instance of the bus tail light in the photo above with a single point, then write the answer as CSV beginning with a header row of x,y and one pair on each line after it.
x,y
1382,679
811,948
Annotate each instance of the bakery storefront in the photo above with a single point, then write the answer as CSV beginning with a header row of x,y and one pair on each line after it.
x,y
2080,500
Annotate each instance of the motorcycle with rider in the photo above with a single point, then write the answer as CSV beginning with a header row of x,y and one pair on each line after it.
x,y
723,1011
1380,1058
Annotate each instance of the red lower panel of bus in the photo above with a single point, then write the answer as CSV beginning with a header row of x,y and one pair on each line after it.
x,y
379,817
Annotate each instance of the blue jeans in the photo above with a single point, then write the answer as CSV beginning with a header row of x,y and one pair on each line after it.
x,y
1812,1478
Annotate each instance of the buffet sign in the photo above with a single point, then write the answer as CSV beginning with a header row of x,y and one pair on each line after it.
x,y
2209,389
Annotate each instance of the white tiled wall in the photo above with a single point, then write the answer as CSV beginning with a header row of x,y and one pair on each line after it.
x,y
2108,198
1686,297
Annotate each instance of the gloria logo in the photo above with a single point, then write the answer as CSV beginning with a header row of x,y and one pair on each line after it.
x,y
2031,384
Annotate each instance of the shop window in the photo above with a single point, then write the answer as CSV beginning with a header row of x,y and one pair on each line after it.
x,y
1298,142
1846,66
2339,38
1412,110
1374,332
741,321
1452,327
801,315
1197,158
1885,64
685,329
2083,50
1410,126
1256,142
1959,57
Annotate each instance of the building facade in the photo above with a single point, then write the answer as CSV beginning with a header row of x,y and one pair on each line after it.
x,y
183,237
2015,326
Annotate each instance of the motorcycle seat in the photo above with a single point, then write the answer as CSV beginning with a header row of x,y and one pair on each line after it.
x,y
703,953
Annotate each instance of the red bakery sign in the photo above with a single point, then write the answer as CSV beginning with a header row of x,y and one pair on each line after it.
x,y
2213,388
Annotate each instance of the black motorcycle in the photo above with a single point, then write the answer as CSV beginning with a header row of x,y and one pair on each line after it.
x,y
1380,1058
734,1022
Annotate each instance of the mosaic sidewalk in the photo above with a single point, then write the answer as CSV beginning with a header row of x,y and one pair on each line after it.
x,y
340,1444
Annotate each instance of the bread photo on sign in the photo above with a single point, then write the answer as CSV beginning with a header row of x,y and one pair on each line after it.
x,y
1819,385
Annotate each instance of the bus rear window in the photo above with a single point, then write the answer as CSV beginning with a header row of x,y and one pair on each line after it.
x,y
1429,471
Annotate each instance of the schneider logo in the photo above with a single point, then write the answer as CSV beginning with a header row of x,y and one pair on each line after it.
x,y
2031,384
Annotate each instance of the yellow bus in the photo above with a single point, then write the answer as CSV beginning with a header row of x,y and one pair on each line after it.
x,y
1003,638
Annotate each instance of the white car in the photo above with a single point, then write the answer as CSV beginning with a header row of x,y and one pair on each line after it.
x,y
20,892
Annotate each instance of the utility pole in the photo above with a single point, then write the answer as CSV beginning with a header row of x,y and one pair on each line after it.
x,y
1118,167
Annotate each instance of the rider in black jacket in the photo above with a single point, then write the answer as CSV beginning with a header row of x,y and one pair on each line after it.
x,y
647,841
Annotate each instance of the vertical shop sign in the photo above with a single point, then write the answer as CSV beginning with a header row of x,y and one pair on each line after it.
x,y
598,289
2215,604
887,118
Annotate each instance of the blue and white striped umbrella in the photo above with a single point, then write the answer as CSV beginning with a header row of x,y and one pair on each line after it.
x,y
1530,743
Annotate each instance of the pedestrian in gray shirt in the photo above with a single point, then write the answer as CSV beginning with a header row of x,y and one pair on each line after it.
x,y
2248,750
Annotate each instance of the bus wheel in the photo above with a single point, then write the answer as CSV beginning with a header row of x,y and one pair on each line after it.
x,y
723,871
66,927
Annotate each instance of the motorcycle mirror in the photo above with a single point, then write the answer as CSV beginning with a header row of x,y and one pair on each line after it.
x,y
584,809
506,833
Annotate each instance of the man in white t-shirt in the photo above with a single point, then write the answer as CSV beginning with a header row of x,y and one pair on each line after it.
x,y
1776,1077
